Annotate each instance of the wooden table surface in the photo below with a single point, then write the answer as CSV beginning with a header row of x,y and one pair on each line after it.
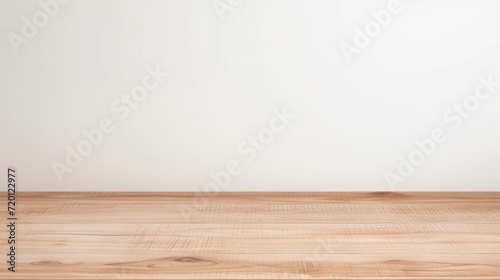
x,y
255,236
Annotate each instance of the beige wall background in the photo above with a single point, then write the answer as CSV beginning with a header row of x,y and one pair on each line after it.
x,y
260,95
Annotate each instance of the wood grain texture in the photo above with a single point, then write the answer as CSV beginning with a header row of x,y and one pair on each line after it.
x,y
256,236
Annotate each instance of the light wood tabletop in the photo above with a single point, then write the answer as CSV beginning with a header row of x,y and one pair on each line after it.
x,y
378,235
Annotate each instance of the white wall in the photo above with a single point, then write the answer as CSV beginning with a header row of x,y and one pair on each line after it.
x,y
227,77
